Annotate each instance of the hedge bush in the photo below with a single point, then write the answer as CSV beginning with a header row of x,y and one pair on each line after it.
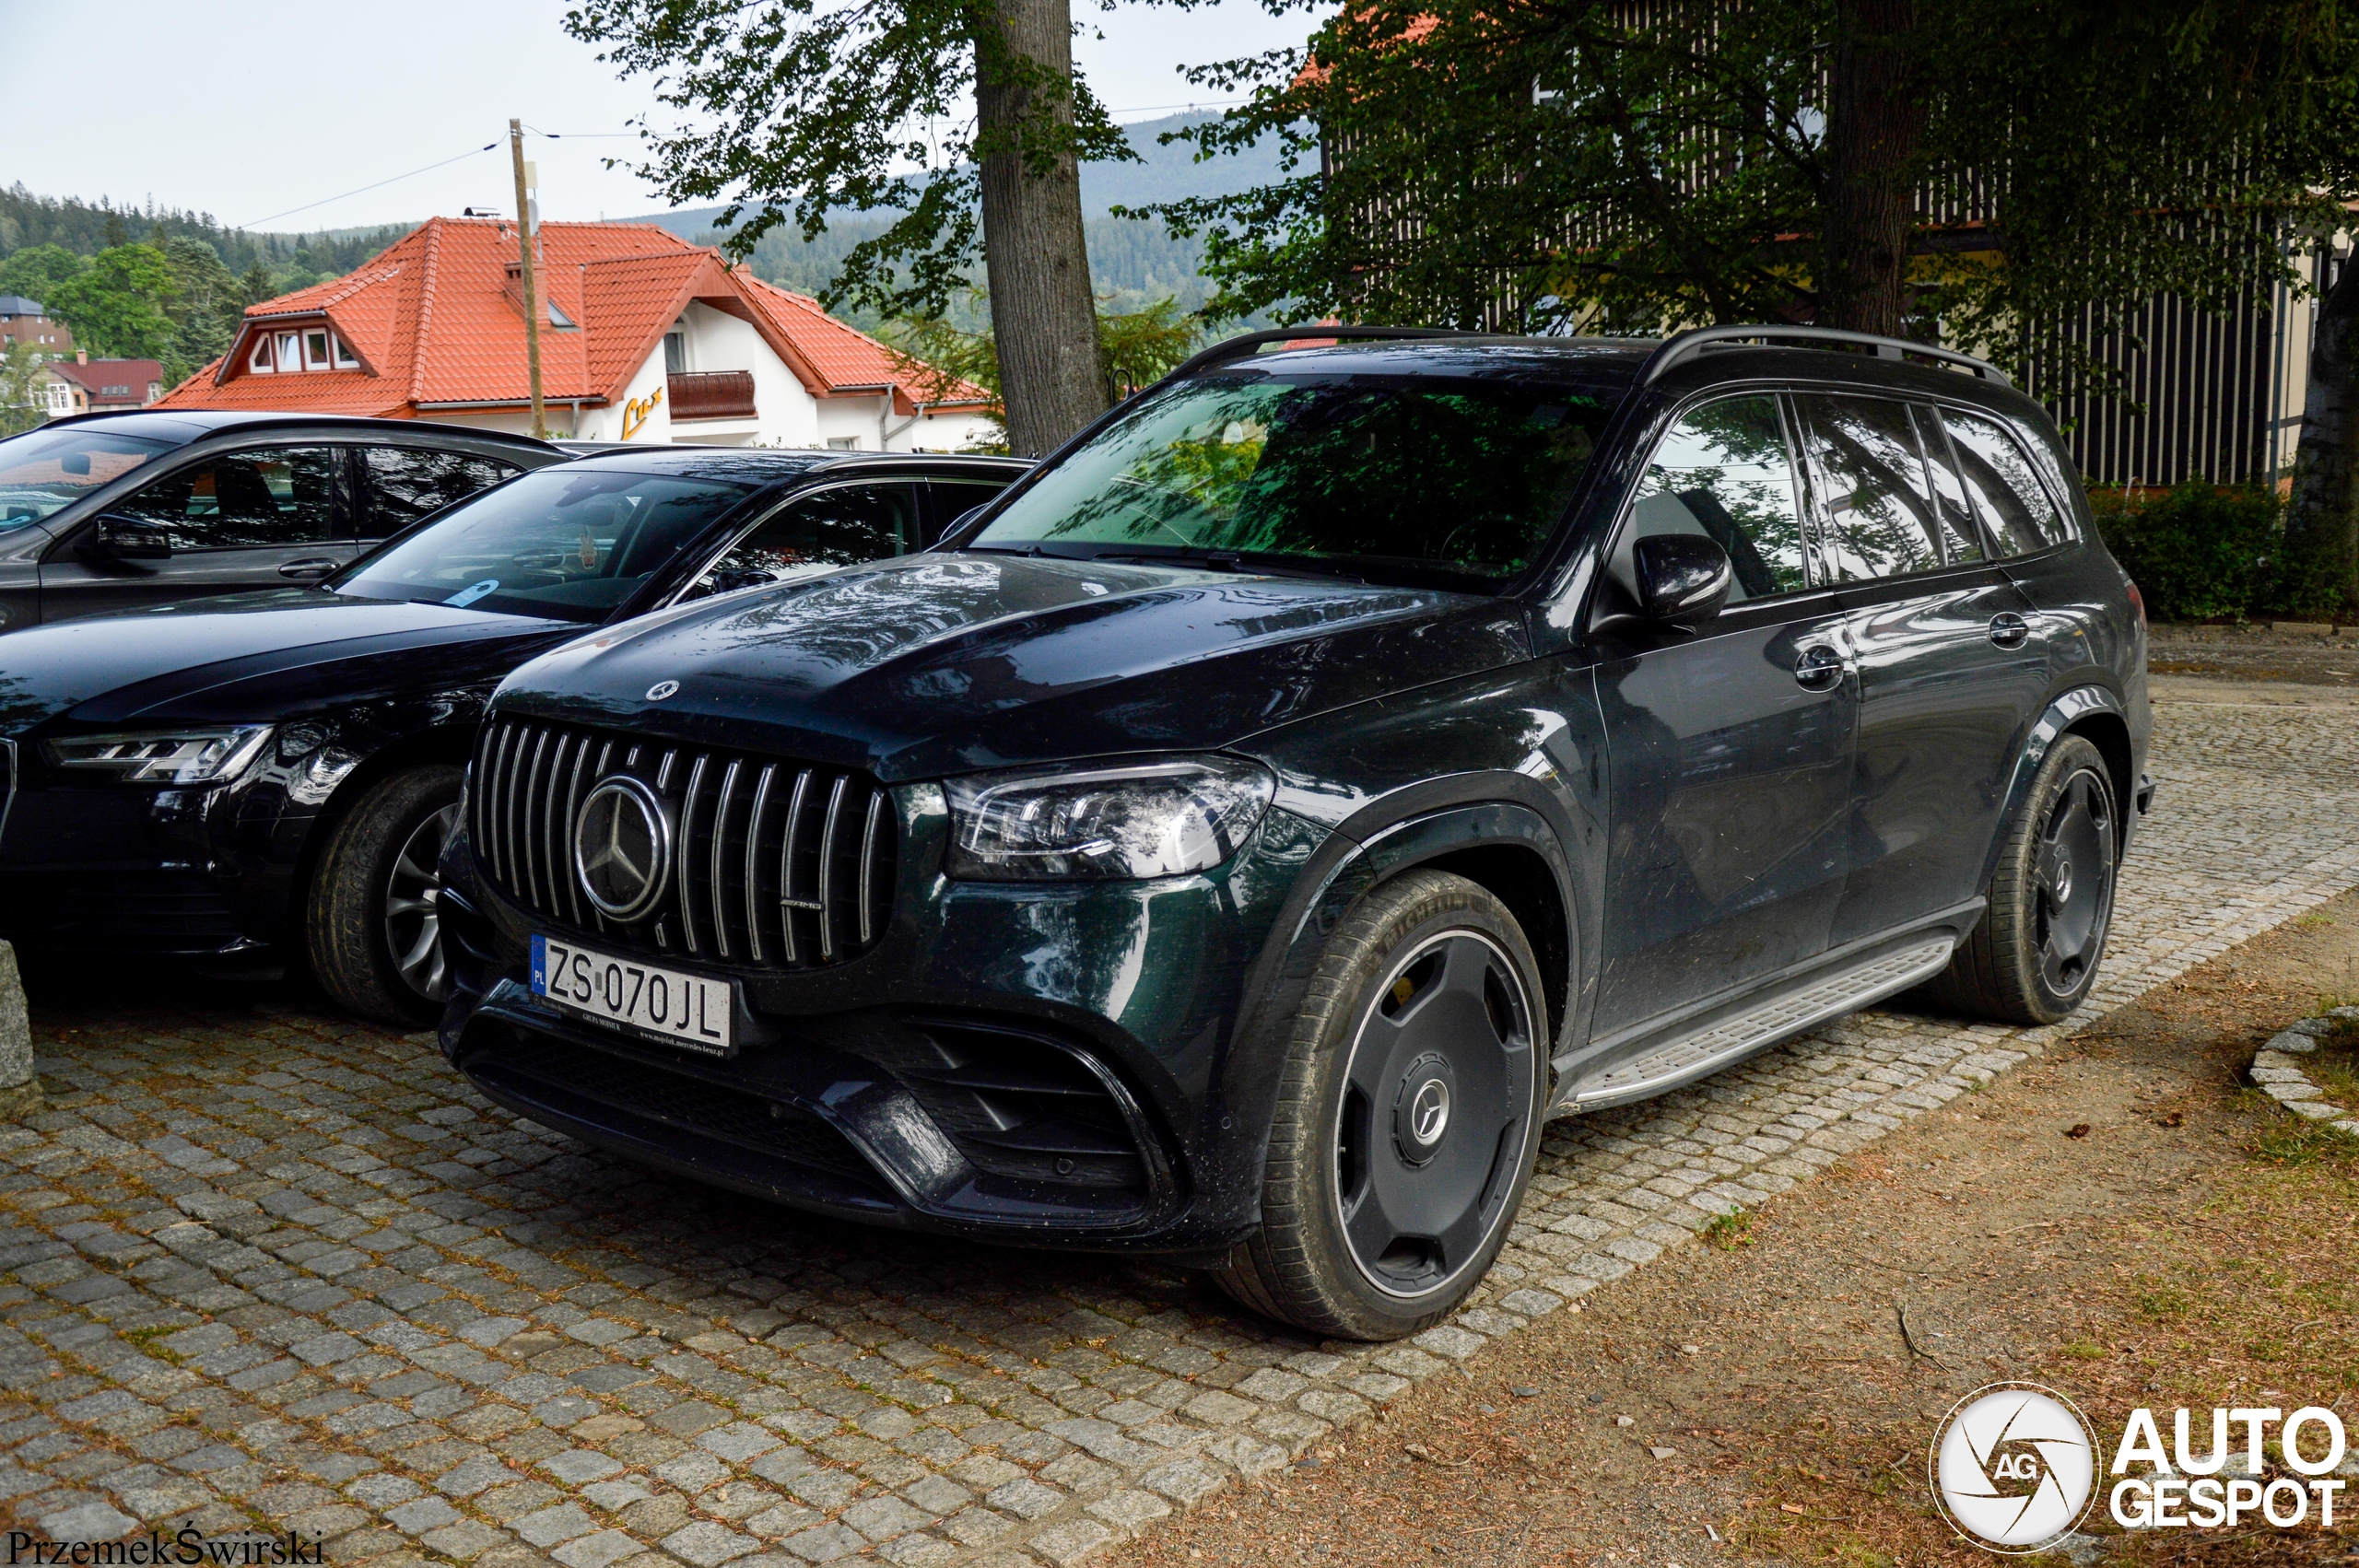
x,y
2198,553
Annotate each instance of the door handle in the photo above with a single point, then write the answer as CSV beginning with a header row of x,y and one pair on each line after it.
x,y
1819,669
2009,629
310,570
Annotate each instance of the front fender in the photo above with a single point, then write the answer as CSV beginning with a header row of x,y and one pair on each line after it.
x,y
1373,849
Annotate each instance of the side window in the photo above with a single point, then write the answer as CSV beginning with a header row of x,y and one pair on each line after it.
x,y
1876,513
2016,506
268,495
954,498
1724,472
834,528
407,483
1960,540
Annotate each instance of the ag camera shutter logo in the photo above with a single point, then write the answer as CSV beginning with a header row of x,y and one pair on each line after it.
x,y
2012,1467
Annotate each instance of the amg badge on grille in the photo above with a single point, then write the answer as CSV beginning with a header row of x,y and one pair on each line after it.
x,y
622,848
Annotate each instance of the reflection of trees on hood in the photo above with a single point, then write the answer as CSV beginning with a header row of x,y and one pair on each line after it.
x,y
19,709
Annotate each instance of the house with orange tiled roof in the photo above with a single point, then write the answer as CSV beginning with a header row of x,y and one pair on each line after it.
x,y
644,337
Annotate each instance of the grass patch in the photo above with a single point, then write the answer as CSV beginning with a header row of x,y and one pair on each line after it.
x,y
1729,1231
2295,1142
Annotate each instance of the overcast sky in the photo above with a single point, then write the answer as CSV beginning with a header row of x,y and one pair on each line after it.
x,y
246,108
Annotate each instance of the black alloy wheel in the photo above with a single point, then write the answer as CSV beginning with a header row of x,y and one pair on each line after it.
x,y
1408,1115
2034,956
1433,1103
373,919
2074,878
413,913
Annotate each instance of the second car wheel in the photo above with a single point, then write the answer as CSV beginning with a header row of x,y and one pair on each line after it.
x,y
373,920
2034,956
1407,1118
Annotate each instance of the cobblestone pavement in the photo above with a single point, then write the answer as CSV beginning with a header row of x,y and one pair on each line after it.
x,y
272,1269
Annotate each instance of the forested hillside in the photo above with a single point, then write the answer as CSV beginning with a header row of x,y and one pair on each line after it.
x,y
159,283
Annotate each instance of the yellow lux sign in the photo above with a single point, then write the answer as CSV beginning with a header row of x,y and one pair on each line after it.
x,y
638,411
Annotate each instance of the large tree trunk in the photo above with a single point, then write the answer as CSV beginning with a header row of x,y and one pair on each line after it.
x,y
1875,123
1043,316
2322,523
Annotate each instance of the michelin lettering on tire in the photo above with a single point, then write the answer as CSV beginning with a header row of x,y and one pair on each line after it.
x,y
2012,1467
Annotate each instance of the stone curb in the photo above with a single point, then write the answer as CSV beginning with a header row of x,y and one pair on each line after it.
x,y
2277,1070
20,1094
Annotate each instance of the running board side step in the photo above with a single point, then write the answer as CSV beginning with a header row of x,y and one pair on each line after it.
x,y
1686,1057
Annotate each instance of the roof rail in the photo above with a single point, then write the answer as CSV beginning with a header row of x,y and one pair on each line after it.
x,y
1240,346
1690,344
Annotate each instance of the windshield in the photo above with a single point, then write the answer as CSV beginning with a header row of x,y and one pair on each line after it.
x,y
43,472
565,542
1466,478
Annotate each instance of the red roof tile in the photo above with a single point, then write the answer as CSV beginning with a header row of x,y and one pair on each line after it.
x,y
97,375
851,360
437,319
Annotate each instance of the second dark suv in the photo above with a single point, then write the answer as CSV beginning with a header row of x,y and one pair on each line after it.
x,y
1239,839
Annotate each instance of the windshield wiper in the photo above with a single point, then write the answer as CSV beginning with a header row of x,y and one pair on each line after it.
x,y
1249,561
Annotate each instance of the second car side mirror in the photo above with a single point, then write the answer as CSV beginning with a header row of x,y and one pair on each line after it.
x,y
131,539
1684,579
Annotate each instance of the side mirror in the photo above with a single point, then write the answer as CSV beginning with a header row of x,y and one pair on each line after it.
x,y
735,578
1684,579
131,539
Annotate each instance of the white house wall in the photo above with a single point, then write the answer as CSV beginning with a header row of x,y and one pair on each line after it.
x,y
786,413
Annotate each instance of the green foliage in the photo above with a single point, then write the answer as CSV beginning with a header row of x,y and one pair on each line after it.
x,y
20,366
1638,169
2198,553
803,111
1138,347
117,305
37,270
84,228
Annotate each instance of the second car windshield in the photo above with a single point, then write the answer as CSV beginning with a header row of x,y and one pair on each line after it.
x,y
46,471
1462,478
565,543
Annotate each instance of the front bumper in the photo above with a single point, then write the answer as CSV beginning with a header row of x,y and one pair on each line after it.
x,y
102,866
1050,1065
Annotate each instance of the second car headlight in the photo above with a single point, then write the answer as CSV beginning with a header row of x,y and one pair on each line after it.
x,y
1166,817
191,755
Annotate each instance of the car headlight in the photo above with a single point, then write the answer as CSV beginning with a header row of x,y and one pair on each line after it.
x,y
1166,817
191,755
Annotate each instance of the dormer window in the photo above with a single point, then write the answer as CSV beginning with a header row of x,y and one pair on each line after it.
x,y
558,320
312,348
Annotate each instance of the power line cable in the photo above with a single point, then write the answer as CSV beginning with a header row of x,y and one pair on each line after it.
x,y
323,201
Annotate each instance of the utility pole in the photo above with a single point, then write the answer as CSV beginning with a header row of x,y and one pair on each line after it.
x,y
524,252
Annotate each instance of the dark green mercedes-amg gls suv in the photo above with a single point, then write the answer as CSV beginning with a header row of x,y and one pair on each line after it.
x,y
1237,839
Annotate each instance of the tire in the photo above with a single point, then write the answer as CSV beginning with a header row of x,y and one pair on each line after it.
x,y
371,925
1384,1199
2034,953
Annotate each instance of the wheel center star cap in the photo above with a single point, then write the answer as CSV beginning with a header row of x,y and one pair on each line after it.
x,y
1429,1113
2063,879
622,848
1422,1106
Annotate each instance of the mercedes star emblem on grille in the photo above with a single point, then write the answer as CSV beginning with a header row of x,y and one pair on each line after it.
x,y
622,848
661,690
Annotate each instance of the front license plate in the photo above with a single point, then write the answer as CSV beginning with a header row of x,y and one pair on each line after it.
x,y
624,993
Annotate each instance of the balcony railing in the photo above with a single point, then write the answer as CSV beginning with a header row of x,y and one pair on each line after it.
x,y
711,395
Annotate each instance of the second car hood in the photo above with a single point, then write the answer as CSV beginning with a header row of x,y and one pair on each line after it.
x,y
246,657
939,663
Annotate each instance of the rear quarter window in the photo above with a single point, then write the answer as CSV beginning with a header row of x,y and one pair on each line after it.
x,y
2003,480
